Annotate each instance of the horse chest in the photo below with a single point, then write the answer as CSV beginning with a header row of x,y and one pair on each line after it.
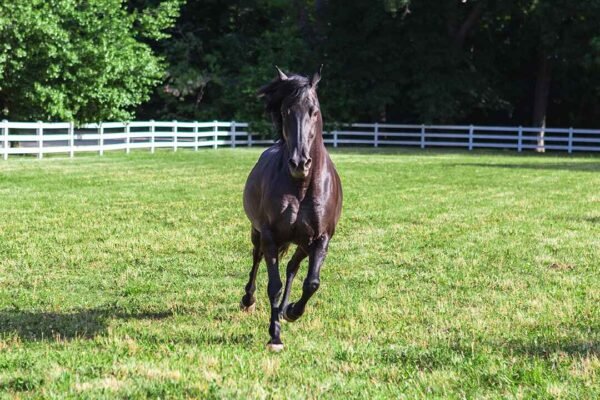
x,y
301,217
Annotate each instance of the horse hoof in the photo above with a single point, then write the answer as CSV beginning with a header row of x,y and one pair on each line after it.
x,y
286,316
247,309
275,348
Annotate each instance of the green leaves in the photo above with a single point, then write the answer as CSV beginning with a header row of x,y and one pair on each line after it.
x,y
394,60
151,22
66,60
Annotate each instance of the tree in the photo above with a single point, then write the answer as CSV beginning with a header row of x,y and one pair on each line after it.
x,y
549,61
82,61
459,61
221,52
565,32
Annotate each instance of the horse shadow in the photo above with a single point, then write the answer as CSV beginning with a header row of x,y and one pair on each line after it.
x,y
80,323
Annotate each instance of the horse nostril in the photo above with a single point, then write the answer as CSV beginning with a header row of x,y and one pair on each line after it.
x,y
307,163
293,163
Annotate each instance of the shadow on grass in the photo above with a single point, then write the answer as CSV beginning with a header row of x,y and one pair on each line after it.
x,y
549,350
415,151
563,166
442,355
41,325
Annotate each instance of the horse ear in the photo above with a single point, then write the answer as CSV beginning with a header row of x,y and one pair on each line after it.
x,y
282,76
316,78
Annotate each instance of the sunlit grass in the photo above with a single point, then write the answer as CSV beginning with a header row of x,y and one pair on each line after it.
x,y
451,275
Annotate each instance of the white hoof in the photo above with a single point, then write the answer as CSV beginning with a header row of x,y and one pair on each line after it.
x,y
276,348
248,309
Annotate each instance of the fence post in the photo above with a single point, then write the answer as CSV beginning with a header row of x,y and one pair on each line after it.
x,y
71,139
520,139
249,136
196,135
215,134
422,136
175,135
152,135
40,135
127,138
101,133
470,137
5,139
232,134
570,146
376,139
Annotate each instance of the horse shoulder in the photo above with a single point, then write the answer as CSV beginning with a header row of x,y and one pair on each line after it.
x,y
258,187
331,204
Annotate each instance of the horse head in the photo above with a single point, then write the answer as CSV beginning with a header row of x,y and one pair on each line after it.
x,y
294,107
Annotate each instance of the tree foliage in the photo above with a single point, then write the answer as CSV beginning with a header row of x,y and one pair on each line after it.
x,y
474,61
78,60
456,61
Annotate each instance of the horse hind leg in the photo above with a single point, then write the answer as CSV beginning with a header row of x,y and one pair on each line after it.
x,y
248,303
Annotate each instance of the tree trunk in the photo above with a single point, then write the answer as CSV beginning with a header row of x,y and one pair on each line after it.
x,y
303,20
321,7
467,25
321,10
540,100
383,114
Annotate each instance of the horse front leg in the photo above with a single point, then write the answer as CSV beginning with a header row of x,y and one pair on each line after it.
x,y
316,257
271,254
292,269
248,303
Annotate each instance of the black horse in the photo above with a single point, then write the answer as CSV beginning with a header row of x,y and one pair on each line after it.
x,y
293,195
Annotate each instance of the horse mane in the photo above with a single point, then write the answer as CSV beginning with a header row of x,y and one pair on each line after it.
x,y
277,91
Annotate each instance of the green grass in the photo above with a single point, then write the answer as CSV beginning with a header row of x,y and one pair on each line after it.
x,y
452,275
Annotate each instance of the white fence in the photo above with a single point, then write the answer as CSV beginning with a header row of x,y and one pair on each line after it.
x,y
40,138
466,136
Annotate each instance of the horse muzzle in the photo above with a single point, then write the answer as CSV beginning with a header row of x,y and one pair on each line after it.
x,y
299,169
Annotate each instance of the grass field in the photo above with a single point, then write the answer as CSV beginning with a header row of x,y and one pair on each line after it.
x,y
452,275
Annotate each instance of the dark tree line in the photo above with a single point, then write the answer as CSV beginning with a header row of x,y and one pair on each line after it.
x,y
517,62
526,62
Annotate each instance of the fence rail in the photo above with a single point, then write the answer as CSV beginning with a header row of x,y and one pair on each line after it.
x,y
39,138
466,136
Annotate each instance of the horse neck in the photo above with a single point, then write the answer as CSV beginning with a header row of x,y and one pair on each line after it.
x,y
318,151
